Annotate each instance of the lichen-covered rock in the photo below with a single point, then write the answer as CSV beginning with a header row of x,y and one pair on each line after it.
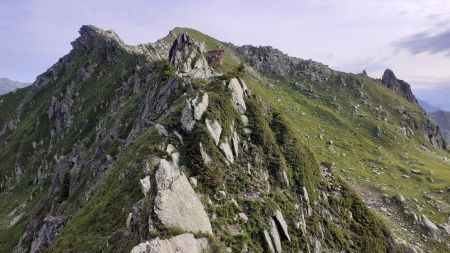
x,y
214,129
184,243
193,111
176,204
237,95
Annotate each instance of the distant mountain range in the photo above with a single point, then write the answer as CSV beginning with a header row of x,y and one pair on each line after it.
x,y
428,107
8,85
443,120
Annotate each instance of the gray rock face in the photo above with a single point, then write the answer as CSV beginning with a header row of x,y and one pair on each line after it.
x,y
145,185
400,199
193,111
275,236
244,120
431,229
226,150
268,241
274,62
51,228
187,56
135,219
390,80
282,223
184,243
214,129
176,204
237,95
187,117
206,158
154,104
235,140
200,106
161,130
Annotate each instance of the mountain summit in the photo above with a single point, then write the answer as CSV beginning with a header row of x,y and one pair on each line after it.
x,y
189,144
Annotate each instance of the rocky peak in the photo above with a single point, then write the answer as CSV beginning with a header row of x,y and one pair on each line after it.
x,y
187,56
390,80
92,37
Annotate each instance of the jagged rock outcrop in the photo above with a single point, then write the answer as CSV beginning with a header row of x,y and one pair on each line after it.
x,y
187,55
282,224
193,111
184,243
214,129
390,80
47,231
237,95
176,204
275,235
274,62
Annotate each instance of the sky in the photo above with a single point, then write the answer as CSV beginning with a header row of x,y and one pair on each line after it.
x,y
410,37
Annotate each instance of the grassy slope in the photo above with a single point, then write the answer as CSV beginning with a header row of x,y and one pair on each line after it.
x,y
357,150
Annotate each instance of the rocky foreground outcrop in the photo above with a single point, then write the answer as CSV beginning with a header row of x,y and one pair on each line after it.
x,y
185,243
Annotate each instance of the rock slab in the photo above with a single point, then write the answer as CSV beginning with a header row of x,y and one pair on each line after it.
x,y
176,204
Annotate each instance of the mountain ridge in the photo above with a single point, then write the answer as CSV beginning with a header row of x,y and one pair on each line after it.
x,y
8,85
107,107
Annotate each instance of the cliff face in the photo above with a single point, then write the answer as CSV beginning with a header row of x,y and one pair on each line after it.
x,y
442,119
149,149
390,80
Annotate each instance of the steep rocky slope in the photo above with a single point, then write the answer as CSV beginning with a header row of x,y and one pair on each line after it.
x,y
147,148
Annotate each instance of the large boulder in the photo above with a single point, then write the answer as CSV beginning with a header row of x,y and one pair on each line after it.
x,y
237,95
200,106
193,111
184,243
176,203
